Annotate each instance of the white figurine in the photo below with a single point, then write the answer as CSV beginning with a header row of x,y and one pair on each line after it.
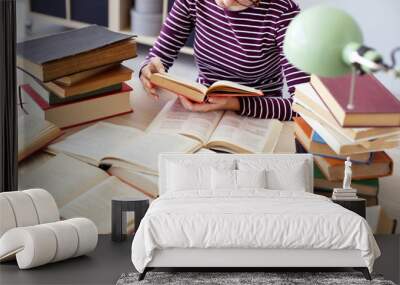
x,y
347,174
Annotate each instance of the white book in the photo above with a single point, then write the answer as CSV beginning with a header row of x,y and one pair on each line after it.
x,y
219,130
79,189
344,198
121,146
336,141
340,190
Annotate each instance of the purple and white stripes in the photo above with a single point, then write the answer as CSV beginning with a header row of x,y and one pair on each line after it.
x,y
240,46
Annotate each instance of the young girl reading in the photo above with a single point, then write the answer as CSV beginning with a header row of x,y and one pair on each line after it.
x,y
235,40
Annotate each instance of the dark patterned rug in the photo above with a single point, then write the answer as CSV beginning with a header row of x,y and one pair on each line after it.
x,y
244,278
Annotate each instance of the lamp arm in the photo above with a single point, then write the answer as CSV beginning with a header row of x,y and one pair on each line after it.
x,y
368,60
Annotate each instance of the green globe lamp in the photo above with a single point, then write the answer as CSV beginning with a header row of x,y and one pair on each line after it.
x,y
327,41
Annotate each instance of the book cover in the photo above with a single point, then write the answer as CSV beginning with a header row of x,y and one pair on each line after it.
x,y
70,43
333,169
306,98
374,104
72,114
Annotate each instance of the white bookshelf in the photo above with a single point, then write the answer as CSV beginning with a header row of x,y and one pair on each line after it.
x,y
118,20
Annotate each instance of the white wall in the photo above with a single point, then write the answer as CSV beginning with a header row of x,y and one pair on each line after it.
x,y
380,23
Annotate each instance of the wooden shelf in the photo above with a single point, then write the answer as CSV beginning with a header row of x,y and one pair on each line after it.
x,y
118,21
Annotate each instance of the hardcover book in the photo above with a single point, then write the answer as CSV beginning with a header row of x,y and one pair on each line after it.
x,y
307,99
198,92
374,105
105,79
80,112
314,144
365,187
333,169
72,79
58,55
53,99
341,144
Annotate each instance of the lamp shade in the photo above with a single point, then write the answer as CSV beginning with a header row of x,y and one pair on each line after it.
x,y
316,40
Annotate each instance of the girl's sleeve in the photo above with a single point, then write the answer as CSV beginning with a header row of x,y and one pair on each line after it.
x,y
270,107
174,32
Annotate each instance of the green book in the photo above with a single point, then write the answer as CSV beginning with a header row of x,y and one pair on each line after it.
x,y
368,187
53,99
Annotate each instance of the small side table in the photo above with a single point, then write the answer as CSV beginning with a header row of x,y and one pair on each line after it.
x,y
357,205
120,206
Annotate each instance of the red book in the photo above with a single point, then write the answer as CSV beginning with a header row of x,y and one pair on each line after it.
x,y
72,114
374,105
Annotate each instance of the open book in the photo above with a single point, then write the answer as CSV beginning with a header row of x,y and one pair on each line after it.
x,y
121,146
198,92
34,134
218,130
79,189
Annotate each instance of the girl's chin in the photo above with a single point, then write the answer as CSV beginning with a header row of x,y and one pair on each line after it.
x,y
231,5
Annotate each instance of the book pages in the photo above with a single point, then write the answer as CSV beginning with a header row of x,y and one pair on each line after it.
x,y
33,134
123,146
145,183
95,204
96,141
246,134
142,153
173,118
64,177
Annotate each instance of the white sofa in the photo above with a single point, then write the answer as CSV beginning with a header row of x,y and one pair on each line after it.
x,y
195,224
31,231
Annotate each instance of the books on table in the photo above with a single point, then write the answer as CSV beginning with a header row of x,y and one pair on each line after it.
x,y
314,144
72,79
57,55
307,99
34,134
365,187
121,146
71,82
333,169
225,131
79,189
109,77
77,112
344,194
198,92
342,145
374,105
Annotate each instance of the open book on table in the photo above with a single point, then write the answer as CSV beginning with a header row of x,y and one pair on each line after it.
x,y
218,130
198,92
120,146
80,189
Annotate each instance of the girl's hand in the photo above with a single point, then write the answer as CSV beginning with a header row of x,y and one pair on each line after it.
x,y
213,104
154,66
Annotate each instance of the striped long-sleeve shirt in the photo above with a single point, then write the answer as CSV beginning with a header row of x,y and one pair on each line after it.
x,y
241,46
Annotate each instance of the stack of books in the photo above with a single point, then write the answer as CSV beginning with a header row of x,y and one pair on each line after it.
x,y
76,77
344,194
333,132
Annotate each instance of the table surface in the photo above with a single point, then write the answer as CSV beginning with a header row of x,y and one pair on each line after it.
x,y
110,259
